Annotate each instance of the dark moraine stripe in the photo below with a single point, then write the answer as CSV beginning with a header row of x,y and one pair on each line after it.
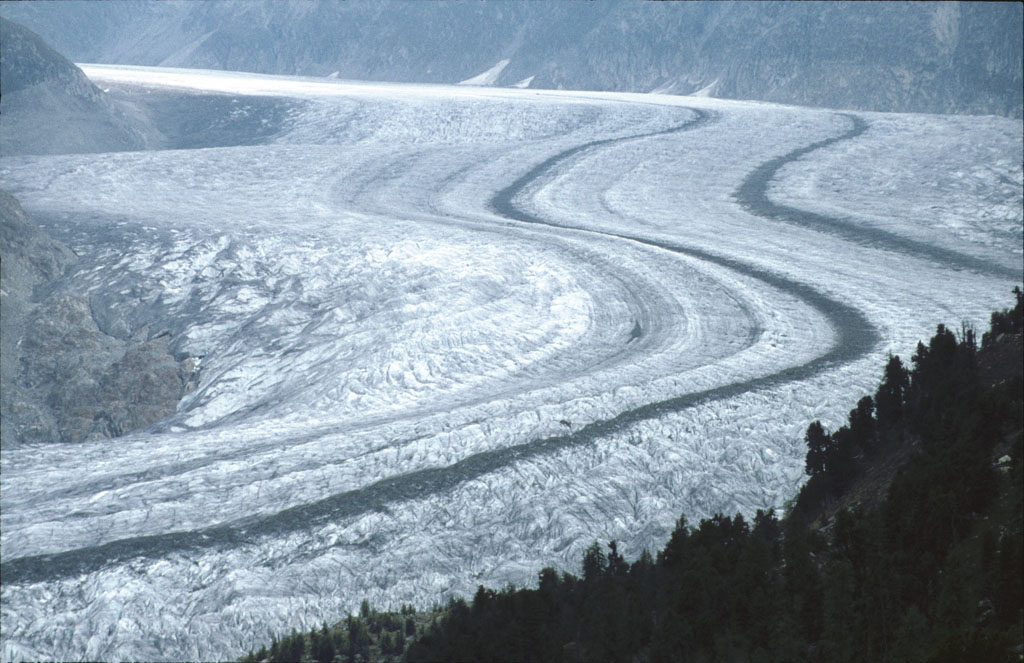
x,y
856,338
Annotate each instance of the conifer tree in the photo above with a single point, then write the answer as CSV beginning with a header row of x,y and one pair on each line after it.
x,y
890,394
595,564
818,442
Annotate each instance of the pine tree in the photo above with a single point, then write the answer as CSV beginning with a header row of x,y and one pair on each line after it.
x,y
863,427
675,550
323,648
595,564
890,394
617,566
818,443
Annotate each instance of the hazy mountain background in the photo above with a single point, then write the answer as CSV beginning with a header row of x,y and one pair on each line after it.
x,y
898,56
48,106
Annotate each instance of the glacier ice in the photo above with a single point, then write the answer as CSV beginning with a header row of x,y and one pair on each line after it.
x,y
405,392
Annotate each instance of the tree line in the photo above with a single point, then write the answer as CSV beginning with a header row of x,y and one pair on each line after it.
x,y
903,545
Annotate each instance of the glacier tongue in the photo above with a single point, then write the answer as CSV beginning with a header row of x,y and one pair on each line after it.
x,y
405,392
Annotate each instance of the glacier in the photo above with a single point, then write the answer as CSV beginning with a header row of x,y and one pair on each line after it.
x,y
448,336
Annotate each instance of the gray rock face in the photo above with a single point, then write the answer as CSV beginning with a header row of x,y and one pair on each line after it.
x,y
48,106
886,56
29,260
62,378
30,257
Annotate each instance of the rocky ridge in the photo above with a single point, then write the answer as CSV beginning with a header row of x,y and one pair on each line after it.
x,y
48,106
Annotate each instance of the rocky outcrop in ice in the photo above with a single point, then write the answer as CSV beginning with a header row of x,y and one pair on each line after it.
x,y
64,379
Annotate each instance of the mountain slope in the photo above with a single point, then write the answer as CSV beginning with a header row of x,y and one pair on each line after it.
x,y
908,57
48,106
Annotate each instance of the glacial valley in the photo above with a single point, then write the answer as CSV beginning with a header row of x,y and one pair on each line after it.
x,y
444,336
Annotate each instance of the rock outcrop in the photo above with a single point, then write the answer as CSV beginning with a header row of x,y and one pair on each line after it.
x,y
61,378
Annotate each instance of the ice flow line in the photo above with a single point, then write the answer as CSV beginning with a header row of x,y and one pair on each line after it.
x,y
856,338
752,195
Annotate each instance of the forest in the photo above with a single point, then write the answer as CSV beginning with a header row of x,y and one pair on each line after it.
x,y
904,544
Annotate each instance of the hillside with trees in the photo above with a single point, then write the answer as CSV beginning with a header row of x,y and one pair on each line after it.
x,y
905,544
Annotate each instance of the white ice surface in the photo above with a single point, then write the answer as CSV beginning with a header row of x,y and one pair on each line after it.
x,y
489,77
361,314
957,179
525,83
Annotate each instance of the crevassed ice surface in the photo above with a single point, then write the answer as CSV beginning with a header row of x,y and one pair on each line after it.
x,y
449,336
